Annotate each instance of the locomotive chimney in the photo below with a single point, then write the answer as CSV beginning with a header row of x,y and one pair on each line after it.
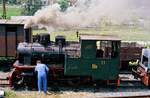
x,y
26,35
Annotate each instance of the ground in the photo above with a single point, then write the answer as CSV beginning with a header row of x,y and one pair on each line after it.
x,y
80,92
51,94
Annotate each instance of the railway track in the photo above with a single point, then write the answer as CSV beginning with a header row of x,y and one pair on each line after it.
x,y
4,82
126,83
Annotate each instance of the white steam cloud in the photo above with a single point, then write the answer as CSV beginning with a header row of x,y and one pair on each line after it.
x,y
86,13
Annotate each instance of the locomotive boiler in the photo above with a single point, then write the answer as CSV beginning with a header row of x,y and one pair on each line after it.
x,y
92,58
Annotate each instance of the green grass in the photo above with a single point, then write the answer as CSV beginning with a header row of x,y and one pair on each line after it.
x,y
11,10
10,94
126,34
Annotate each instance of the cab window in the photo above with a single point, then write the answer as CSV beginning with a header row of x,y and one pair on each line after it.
x,y
145,61
106,49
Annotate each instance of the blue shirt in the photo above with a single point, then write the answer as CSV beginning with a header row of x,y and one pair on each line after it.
x,y
41,69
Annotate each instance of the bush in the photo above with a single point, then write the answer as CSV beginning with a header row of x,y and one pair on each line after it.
x,y
6,62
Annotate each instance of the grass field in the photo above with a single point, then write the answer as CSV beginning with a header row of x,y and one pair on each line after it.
x,y
126,34
11,10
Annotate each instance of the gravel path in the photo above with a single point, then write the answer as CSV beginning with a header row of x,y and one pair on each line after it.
x,y
85,93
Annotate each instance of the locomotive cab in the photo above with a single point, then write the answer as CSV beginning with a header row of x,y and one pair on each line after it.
x,y
100,58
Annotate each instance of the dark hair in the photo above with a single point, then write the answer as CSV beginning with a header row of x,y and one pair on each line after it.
x,y
38,61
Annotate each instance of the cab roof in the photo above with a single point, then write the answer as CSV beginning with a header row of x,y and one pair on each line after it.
x,y
100,37
15,22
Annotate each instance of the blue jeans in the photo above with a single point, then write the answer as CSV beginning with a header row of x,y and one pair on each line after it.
x,y
42,81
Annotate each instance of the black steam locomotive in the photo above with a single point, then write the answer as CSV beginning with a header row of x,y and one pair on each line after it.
x,y
93,58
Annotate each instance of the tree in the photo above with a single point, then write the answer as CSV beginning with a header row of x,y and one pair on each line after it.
x,y
63,4
14,2
11,1
31,6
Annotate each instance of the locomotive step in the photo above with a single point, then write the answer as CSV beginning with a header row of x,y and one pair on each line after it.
x,y
127,80
125,72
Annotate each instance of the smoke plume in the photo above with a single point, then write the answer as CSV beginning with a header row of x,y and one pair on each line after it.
x,y
89,13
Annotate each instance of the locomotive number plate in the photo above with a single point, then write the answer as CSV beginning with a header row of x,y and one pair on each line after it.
x,y
94,66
